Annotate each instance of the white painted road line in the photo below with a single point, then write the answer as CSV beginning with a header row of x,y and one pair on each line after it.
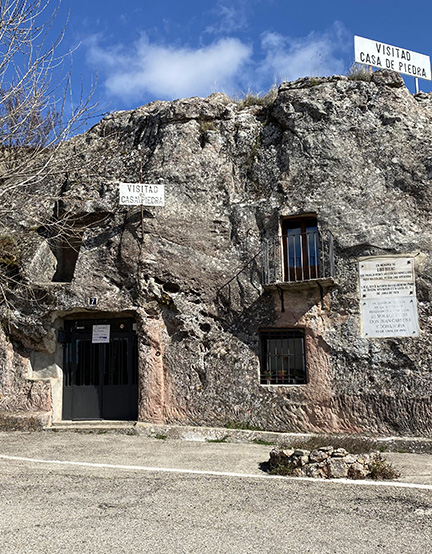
x,y
395,484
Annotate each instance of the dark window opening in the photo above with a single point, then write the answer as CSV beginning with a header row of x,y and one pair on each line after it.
x,y
282,357
64,234
300,243
66,250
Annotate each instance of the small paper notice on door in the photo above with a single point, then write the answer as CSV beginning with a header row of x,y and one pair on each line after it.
x,y
101,334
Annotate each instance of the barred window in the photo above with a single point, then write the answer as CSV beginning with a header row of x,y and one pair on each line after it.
x,y
282,357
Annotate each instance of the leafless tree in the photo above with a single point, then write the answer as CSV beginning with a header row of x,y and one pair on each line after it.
x,y
37,114
36,109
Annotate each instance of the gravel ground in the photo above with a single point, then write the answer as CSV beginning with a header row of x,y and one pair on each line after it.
x,y
66,509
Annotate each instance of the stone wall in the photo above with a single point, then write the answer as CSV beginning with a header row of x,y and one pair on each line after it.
x,y
327,462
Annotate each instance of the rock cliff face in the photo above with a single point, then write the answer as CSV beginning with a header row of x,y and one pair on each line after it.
x,y
355,155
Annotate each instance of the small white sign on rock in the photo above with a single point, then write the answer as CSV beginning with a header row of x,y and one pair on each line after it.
x,y
384,277
141,194
390,317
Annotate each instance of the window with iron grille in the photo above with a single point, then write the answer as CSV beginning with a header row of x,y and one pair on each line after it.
x,y
282,357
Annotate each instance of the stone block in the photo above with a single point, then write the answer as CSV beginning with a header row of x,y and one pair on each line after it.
x,y
318,456
313,470
327,449
349,459
300,452
357,471
339,453
337,468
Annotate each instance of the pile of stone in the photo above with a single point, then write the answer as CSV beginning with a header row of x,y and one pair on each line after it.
x,y
326,462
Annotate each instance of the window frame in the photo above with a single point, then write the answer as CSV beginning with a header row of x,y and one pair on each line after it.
x,y
281,376
304,271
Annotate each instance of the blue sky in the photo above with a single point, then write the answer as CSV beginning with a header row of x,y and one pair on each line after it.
x,y
145,50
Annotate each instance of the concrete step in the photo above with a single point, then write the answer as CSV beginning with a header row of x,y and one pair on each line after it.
x,y
221,434
91,425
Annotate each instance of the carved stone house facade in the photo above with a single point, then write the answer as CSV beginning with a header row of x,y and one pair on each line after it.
x,y
238,301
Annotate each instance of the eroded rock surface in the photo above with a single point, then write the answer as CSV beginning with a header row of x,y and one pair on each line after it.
x,y
356,154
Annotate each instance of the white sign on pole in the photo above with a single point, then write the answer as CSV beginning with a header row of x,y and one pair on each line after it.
x,y
100,334
140,194
384,56
388,300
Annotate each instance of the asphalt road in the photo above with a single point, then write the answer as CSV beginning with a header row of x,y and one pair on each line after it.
x,y
109,508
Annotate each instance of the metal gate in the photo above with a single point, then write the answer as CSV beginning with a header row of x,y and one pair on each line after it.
x,y
100,377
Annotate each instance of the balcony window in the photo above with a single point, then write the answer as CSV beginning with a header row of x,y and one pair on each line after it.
x,y
300,254
300,249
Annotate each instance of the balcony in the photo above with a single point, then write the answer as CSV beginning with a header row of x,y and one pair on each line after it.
x,y
298,259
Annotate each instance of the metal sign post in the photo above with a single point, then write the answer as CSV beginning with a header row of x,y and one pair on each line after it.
x,y
141,194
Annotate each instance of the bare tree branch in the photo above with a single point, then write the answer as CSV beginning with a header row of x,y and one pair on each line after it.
x,y
36,116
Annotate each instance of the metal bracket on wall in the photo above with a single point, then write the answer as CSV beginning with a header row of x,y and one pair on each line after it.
x,y
141,180
281,296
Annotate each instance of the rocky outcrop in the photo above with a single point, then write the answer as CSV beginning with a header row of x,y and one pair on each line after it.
x,y
357,155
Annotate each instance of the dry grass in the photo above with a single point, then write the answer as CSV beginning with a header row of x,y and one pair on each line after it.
x,y
207,125
265,100
359,72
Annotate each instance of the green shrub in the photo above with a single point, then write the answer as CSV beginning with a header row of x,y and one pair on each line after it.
x,y
282,469
263,442
241,425
381,469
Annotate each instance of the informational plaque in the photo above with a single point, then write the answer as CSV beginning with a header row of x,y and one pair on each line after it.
x,y
388,299
100,334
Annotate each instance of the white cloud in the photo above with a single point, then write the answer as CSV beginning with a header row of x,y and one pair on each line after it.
x,y
231,17
168,72
146,70
287,59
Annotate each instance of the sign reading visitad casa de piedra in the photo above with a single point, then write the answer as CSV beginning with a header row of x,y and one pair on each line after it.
x,y
381,55
388,298
140,194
